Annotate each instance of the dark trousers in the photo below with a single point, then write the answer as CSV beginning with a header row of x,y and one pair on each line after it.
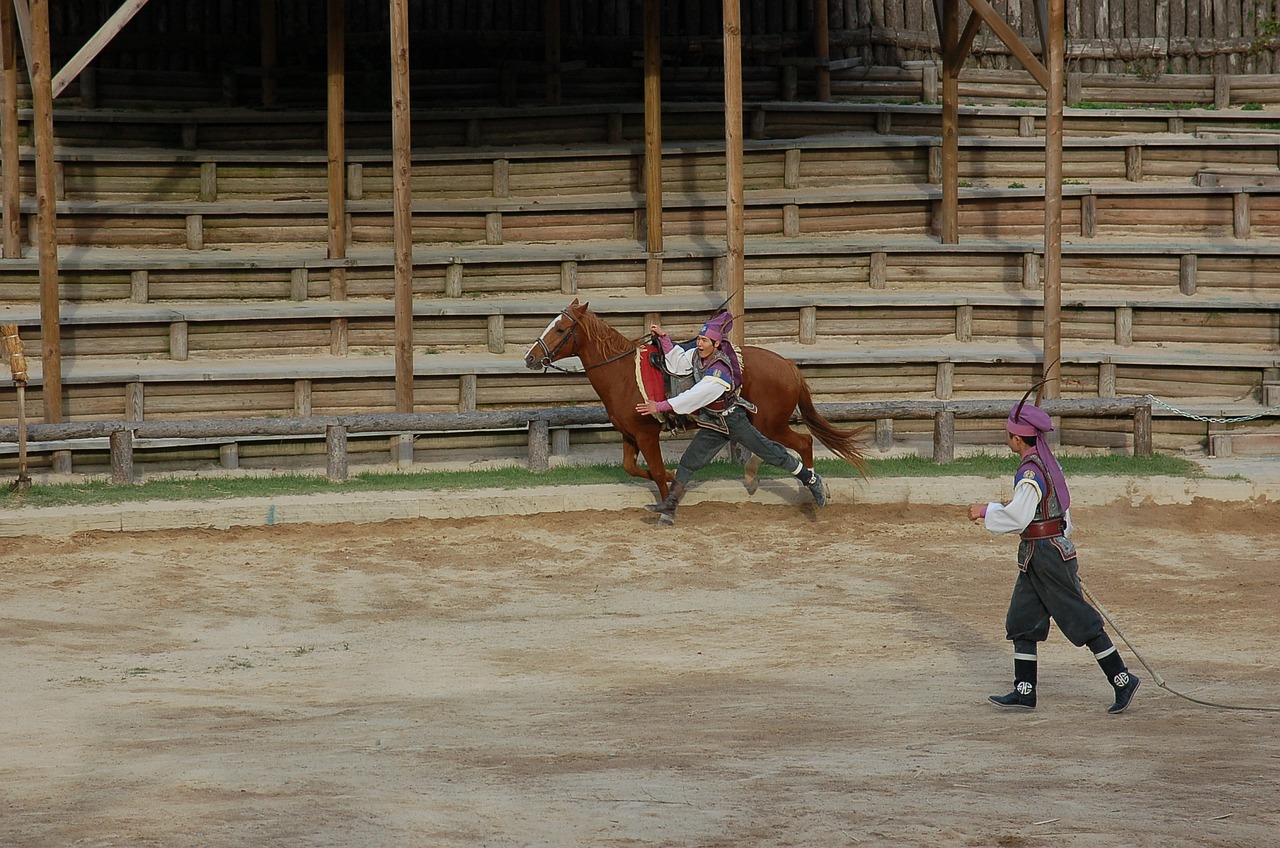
x,y
1050,588
707,443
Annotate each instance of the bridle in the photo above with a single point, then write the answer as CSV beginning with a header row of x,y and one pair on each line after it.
x,y
549,353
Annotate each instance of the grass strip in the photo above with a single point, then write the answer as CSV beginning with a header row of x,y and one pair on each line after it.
x,y
97,493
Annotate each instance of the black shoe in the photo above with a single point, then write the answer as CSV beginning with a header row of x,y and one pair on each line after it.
x,y
1016,700
1124,692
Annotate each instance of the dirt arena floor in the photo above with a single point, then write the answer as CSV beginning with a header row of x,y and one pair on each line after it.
x,y
755,676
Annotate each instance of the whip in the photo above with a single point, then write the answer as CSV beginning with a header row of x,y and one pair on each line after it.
x,y
1155,675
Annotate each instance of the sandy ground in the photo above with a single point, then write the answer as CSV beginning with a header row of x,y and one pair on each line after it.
x,y
759,675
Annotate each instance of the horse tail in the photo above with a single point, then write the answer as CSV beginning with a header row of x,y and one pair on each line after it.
x,y
846,443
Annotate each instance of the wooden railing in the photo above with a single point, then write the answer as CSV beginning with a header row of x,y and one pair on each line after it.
x,y
539,423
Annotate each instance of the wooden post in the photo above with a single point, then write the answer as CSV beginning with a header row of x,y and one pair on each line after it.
x,y
539,445
653,143
121,442
1124,326
335,450
267,17
9,131
944,436
1142,430
808,325
735,203
952,60
46,213
1241,226
402,204
208,181
467,393
552,52
884,434
1187,274
178,340
336,146
140,285
822,49
1053,204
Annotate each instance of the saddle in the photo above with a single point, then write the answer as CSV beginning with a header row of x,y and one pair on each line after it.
x,y
656,383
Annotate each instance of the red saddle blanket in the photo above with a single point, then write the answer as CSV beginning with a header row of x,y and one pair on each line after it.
x,y
651,381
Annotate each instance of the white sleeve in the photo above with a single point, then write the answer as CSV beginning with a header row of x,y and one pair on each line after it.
x,y
1014,516
679,360
702,393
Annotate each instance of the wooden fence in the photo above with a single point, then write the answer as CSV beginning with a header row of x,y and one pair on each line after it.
x,y
539,423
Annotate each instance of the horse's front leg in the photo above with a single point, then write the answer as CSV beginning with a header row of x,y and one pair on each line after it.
x,y
648,444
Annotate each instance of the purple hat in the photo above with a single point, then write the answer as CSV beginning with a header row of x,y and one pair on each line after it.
x,y
1026,420
718,327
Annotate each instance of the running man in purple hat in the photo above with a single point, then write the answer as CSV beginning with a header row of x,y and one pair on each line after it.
x,y
1048,584
720,411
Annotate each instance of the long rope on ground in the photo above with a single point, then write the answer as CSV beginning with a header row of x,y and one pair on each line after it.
x,y
1155,675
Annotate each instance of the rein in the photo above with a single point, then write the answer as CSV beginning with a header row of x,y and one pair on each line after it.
x,y
550,352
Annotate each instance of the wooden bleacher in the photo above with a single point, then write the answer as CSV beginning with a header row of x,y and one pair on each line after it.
x,y
195,282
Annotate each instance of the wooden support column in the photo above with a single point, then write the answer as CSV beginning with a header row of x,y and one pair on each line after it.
x,y
335,450
735,204
822,49
121,442
336,144
267,18
552,54
402,218
653,145
952,60
46,213
9,131
1054,48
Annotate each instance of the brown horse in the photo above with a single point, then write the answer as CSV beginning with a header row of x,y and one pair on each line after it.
x,y
772,382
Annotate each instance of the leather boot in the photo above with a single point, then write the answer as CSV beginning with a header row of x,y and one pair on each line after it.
x,y
667,508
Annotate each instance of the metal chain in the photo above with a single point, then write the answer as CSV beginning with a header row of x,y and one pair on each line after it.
x,y
1212,419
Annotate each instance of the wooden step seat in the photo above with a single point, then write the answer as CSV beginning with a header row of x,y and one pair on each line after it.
x,y
1089,211
196,330
239,386
541,170
1163,268
610,122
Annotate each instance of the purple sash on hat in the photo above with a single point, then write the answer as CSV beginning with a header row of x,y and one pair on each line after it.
x,y
1027,420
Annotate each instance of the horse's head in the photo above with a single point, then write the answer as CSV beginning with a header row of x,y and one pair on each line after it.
x,y
560,339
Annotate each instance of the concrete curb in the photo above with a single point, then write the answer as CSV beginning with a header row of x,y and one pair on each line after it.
x,y
371,507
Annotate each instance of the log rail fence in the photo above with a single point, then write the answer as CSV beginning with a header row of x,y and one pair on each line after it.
x,y
543,427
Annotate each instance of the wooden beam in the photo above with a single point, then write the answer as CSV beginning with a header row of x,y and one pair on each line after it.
x,y
822,48
402,211
22,16
269,51
948,226
653,126
336,133
46,212
1011,40
12,192
1053,204
964,45
735,204
95,44
552,53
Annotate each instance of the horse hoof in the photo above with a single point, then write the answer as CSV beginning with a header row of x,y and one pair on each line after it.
x,y
752,485
666,520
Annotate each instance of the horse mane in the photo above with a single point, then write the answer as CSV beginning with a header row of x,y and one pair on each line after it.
x,y
595,329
